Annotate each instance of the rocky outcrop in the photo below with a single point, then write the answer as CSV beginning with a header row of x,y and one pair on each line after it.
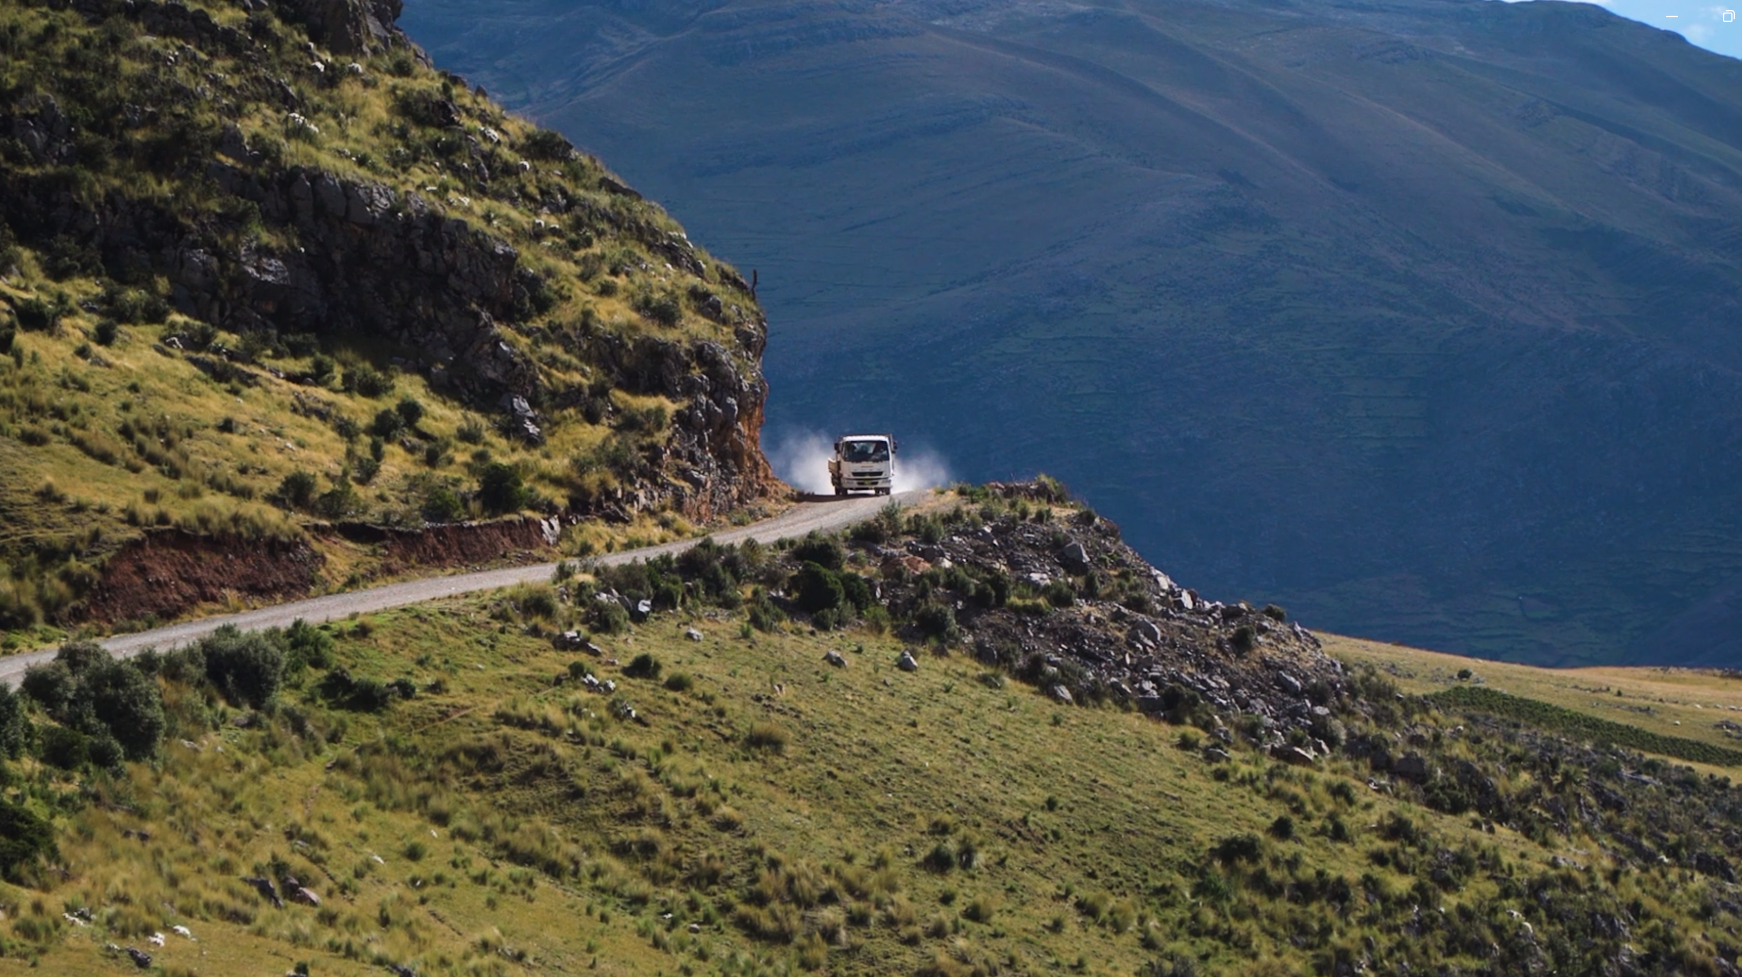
x,y
346,257
1115,628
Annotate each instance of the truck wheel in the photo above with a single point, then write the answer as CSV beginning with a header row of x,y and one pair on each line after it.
x,y
839,491
882,491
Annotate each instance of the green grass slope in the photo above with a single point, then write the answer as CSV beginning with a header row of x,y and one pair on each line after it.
x,y
1440,294
262,269
461,799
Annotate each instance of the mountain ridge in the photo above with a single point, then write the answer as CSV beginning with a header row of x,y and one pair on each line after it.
x,y
1428,292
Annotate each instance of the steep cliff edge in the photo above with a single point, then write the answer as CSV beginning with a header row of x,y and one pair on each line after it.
x,y
245,247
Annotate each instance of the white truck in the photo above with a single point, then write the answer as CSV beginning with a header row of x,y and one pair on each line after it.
x,y
863,463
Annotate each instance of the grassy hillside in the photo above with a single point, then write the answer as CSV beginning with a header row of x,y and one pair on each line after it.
x,y
461,800
262,269
1412,316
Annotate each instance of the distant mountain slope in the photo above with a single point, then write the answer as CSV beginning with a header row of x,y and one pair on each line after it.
x,y
1419,317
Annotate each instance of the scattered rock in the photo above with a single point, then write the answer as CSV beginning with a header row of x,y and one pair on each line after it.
x,y
907,662
835,658
306,896
1074,557
264,887
1293,755
1061,694
1289,683
692,634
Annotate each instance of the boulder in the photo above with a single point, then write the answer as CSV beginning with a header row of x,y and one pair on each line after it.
x,y
692,634
1074,558
264,887
1061,694
907,662
835,658
1293,755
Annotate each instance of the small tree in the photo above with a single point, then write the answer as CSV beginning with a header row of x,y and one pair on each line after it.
x,y
410,411
24,837
297,490
128,705
817,588
246,668
500,489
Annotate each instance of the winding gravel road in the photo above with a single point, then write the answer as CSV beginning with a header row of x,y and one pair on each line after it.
x,y
802,518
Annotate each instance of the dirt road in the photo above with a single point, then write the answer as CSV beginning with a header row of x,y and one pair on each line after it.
x,y
803,518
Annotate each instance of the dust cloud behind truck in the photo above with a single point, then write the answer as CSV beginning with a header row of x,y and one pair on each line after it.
x,y
863,463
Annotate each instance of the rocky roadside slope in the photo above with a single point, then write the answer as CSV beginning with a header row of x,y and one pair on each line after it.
x,y
263,194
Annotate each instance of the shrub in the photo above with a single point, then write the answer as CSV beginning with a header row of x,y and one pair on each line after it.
x,y
441,504
24,838
409,410
105,332
500,489
297,490
50,684
247,669
824,551
766,736
936,620
63,747
306,646
35,314
127,704
15,726
1282,828
679,682
1275,613
1238,848
817,588
368,381
609,617
1245,639
643,665
387,424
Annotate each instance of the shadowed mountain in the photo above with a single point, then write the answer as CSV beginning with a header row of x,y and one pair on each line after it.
x,y
1418,317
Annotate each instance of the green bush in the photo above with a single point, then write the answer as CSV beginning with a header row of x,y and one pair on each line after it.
x,y
247,669
24,838
609,617
387,424
297,490
128,706
368,381
936,620
15,726
305,646
409,410
825,551
500,489
50,684
441,504
643,665
817,588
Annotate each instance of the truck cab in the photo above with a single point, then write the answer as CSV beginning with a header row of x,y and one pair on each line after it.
x,y
863,463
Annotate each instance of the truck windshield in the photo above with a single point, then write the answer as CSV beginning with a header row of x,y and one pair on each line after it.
x,y
863,451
